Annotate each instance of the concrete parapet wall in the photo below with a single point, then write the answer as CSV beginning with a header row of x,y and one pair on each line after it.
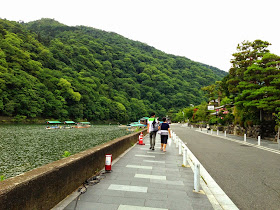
x,y
46,186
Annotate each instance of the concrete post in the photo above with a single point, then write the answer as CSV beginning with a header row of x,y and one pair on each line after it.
x,y
259,140
185,152
177,141
245,137
225,133
180,147
217,132
211,131
196,177
169,141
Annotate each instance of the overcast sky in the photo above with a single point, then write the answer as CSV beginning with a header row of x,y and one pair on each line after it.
x,y
206,31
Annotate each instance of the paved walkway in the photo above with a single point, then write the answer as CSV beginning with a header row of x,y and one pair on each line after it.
x,y
143,179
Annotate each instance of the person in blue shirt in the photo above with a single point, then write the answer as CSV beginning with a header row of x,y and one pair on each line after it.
x,y
164,132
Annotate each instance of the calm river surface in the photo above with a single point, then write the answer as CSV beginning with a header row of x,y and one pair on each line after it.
x,y
24,147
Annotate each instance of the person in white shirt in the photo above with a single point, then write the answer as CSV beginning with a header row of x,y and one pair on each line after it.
x,y
152,129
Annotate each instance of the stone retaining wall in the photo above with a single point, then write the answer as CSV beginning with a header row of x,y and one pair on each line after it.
x,y
46,186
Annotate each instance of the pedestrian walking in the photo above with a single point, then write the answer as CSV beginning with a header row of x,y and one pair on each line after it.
x,y
152,129
164,129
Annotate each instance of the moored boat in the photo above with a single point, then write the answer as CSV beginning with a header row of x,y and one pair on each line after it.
x,y
69,124
53,125
83,125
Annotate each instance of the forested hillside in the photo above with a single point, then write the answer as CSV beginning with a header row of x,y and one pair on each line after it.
x,y
51,70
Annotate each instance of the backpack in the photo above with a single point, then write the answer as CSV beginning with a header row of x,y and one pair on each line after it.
x,y
155,125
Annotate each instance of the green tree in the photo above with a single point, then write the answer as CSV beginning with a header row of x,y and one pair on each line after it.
x,y
66,88
260,87
247,54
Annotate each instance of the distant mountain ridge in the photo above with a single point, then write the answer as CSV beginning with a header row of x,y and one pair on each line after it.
x,y
51,70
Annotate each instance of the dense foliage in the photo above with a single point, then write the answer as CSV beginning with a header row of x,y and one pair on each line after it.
x,y
252,86
51,70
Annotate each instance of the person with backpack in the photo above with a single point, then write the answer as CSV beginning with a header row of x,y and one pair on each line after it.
x,y
152,130
164,132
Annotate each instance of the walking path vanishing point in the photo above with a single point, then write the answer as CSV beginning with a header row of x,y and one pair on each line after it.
x,y
143,179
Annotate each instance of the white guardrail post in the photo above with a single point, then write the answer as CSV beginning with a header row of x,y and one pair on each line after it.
x,y
259,140
169,141
217,132
211,131
185,152
225,133
180,147
183,149
244,136
196,177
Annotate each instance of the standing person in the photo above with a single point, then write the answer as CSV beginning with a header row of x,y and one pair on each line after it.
x,y
152,129
164,131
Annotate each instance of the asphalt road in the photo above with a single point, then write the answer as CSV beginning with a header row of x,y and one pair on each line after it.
x,y
249,176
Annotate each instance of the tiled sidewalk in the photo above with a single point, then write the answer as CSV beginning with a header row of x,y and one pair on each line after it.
x,y
143,179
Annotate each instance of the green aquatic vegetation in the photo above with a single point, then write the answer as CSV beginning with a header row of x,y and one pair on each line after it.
x,y
25,147
2,177
66,154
